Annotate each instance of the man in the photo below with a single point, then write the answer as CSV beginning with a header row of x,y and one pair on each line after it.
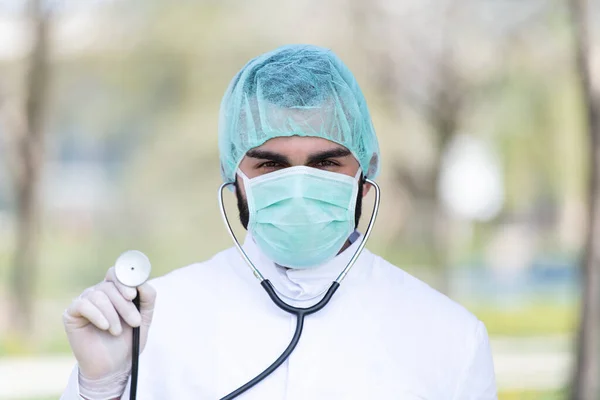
x,y
296,137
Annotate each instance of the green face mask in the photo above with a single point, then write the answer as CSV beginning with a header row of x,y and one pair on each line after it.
x,y
300,217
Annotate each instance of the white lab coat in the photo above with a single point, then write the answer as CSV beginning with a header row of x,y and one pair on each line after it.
x,y
384,335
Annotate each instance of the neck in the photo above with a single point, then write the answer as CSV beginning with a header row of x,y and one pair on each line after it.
x,y
345,246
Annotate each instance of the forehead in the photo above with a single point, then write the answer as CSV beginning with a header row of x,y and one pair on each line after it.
x,y
299,145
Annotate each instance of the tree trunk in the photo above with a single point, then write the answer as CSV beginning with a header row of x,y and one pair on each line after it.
x,y
445,116
28,152
586,385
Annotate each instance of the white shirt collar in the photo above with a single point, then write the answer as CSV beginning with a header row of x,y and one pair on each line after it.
x,y
305,284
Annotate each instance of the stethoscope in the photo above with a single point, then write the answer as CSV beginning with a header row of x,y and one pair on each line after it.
x,y
133,269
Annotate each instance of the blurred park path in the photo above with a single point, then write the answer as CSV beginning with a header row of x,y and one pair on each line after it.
x,y
532,363
34,377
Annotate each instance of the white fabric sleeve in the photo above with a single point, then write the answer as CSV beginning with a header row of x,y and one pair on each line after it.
x,y
478,381
72,390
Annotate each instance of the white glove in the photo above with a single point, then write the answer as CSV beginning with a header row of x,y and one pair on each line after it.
x,y
99,328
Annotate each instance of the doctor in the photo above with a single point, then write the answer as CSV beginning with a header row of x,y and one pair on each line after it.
x,y
296,137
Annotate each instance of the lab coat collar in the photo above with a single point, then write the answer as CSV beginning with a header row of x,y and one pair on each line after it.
x,y
304,285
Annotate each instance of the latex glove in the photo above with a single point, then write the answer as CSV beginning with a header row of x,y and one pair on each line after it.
x,y
99,328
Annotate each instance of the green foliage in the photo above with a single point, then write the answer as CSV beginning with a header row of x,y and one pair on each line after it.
x,y
529,320
54,342
532,395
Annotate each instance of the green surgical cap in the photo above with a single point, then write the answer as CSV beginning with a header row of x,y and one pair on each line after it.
x,y
296,90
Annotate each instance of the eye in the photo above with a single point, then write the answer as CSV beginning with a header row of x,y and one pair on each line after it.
x,y
327,163
269,165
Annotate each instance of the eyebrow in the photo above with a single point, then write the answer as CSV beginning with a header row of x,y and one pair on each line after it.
x,y
268,155
324,155
312,159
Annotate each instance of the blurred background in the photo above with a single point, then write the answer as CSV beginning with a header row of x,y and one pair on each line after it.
x,y
487,114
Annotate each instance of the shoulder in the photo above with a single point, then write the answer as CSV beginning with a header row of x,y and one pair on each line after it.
x,y
194,279
187,300
180,292
425,308
434,329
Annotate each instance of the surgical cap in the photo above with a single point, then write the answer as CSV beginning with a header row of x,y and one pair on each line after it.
x,y
296,90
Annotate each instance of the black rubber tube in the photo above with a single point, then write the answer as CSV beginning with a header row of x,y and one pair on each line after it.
x,y
296,310
284,356
135,355
300,313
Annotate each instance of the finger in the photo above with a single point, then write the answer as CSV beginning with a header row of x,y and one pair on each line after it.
x,y
86,292
128,292
82,311
104,304
124,307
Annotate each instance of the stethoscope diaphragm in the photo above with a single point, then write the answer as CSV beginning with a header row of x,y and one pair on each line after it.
x,y
132,268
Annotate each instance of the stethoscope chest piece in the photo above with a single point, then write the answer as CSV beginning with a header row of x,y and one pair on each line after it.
x,y
132,268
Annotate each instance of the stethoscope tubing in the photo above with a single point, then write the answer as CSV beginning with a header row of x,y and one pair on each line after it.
x,y
350,264
300,313
135,353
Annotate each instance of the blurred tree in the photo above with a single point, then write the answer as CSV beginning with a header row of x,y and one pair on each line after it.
x,y
24,133
474,68
443,112
586,385
430,80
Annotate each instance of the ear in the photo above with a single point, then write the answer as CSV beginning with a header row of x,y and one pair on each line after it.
x,y
366,188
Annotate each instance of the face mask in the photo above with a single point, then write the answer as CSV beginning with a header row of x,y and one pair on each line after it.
x,y
300,217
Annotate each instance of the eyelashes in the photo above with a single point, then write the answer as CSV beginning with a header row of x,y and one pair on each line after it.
x,y
319,164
